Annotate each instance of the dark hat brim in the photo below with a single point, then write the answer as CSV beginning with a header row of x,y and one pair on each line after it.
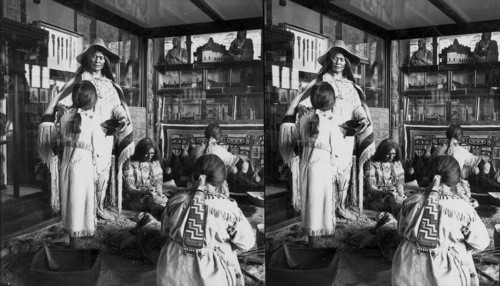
x,y
336,49
112,57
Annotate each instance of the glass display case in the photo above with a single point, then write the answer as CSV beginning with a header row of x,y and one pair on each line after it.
x,y
489,106
468,97
195,93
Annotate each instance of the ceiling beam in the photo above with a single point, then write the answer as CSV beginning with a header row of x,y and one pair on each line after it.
x,y
325,8
448,11
204,28
446,30
208,10
90,9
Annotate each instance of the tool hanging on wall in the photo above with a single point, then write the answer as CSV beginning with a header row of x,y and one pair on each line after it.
x,y
70,53
298,42
53,45
315,53
67,49
303,52
312,49
307,50
58,47
294,50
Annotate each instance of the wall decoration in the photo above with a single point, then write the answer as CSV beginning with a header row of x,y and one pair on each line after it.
x,y
283,96
480,140
308,46
242,139
64,46
44,95
34,95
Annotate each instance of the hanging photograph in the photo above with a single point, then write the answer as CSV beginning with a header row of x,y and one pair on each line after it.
x,y
44,95
34,95
283,96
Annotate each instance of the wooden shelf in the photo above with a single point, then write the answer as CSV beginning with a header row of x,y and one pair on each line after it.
x,y
450,67
213,120
216,65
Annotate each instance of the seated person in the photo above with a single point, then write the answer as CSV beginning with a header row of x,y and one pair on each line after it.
x,y
143,180
213,133
467,161
440,233
384,177
487,179
204,229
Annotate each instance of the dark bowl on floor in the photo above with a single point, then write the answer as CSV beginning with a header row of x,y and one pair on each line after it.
x,y
81,267
321,273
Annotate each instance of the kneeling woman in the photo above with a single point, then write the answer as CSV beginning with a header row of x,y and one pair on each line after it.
x,y
203,228
143,180
384,177
440,229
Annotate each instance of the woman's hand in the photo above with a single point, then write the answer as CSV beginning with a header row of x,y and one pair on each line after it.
x,y
436,182
475,170
201,182
122,125
364,123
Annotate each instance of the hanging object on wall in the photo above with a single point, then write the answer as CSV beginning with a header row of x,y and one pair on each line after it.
x,y
65,45
53,45
298,43
310,46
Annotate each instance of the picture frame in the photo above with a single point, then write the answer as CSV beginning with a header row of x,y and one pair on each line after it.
x,y
283,96
34,95
255,152
44,95
292,94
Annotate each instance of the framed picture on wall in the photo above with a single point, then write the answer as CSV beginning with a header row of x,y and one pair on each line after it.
x,y
255,152
292,94
44,95
34,95
283,96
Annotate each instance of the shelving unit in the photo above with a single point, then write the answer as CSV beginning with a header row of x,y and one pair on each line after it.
x,y
226,92
430,95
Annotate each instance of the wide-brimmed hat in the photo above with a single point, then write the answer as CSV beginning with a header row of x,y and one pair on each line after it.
x,y
99,43
339,46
